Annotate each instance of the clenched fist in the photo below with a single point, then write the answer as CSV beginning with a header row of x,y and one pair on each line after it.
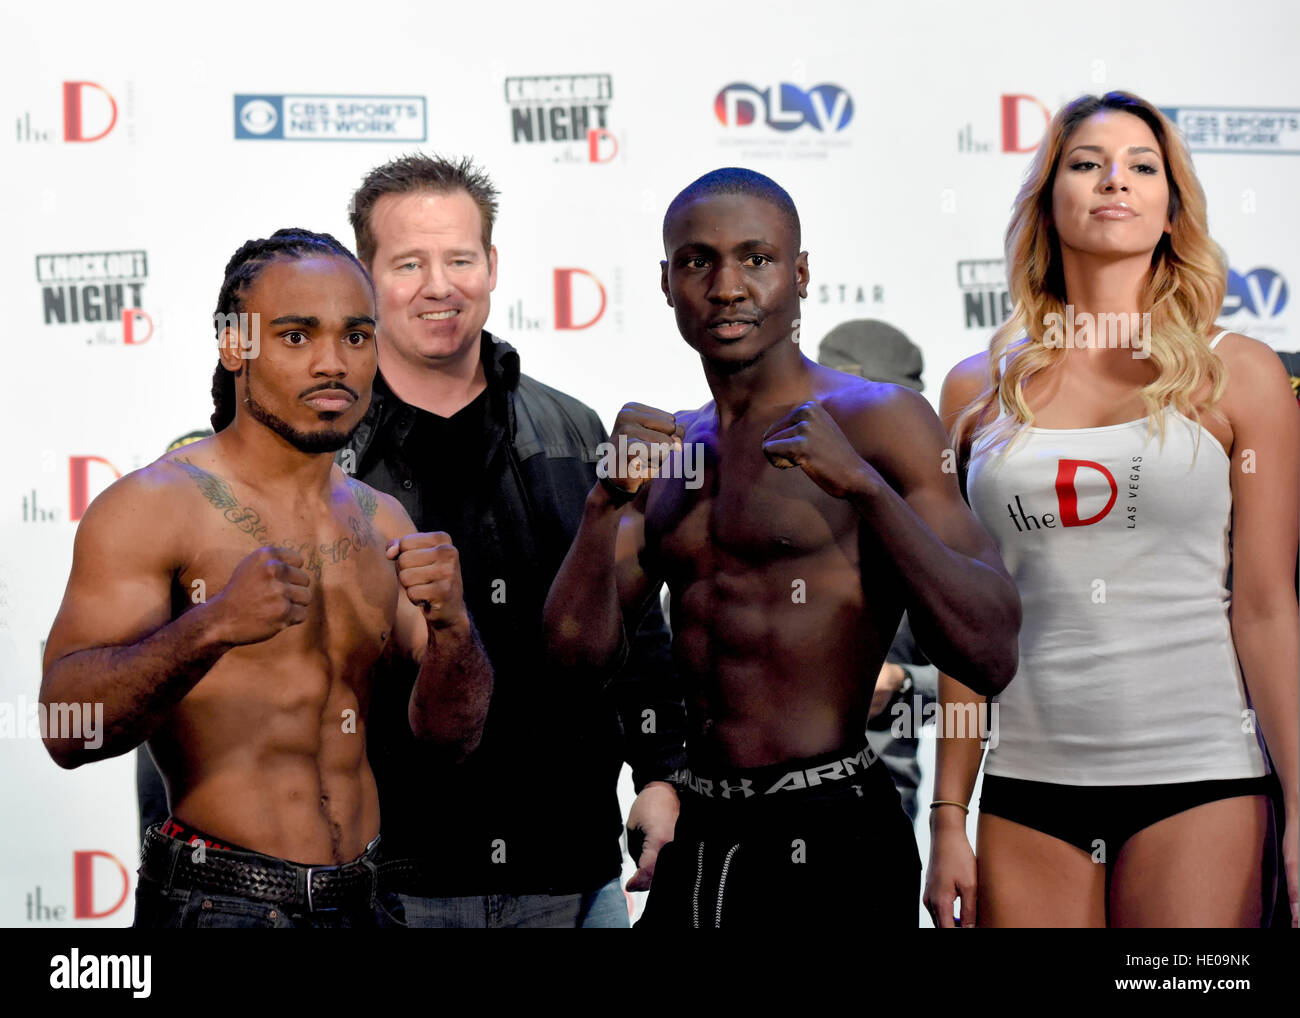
x,y
428,567
808,437
268,592
642,440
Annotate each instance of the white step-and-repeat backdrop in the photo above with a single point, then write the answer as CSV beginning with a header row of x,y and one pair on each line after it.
x,y
142,143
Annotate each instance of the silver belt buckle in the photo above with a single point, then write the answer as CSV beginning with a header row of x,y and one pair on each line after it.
x,y
318,869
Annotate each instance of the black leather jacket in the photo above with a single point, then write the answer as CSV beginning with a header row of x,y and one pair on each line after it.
x,y
534,809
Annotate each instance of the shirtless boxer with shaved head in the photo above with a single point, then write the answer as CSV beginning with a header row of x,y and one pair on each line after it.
x,y
229,604
825,512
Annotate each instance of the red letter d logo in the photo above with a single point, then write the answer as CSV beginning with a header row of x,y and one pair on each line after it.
x,y
1011,123
1069,498
72,129
564,299
83,883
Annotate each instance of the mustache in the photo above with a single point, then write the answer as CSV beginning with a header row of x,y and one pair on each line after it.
x,y
326,386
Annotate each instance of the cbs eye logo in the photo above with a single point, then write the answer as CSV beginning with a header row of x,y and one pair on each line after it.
x,y
258,116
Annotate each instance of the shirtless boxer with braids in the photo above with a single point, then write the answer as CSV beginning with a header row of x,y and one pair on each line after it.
x,y
229,603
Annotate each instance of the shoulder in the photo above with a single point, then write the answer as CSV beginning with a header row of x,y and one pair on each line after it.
x,y
196,468
965,384
700,415
556,418
967,379
851,400
385,513
1258,382
882,420
151,491
148,511
1249,355
540,394
892,427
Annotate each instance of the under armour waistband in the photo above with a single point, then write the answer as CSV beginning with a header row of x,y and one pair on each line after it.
x,y
830,774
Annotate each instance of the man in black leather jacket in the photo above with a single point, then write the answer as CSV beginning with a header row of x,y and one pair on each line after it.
x,y
526,830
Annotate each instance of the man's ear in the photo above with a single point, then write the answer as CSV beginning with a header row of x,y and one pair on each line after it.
x,y
230,351
801,273
663,281
492,268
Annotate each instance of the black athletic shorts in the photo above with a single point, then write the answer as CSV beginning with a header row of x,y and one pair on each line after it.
x,y
817,842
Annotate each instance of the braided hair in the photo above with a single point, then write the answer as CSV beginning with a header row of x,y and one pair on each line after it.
x,y
241,271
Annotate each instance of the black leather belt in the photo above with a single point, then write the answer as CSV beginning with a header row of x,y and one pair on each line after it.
x,y
171,863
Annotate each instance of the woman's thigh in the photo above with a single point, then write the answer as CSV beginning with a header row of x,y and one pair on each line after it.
x,y
1202,867
1031,879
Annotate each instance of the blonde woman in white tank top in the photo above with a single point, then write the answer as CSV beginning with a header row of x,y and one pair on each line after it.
x,y
1127,785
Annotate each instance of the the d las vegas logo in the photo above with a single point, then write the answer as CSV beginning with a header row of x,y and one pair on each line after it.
x,y
1076,481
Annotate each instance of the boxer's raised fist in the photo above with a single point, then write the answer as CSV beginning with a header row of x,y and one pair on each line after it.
x,y
428,567
268,592
641,442
808,437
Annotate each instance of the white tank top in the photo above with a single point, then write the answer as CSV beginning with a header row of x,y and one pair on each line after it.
x,y
1120,551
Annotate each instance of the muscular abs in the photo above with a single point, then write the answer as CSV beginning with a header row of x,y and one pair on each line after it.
x,y
268,750
776,631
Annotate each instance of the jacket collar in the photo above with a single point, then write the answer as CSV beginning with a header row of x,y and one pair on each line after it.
x,y
501,361
500,364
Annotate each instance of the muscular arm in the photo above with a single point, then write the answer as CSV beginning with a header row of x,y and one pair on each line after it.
x,y
600,588
112,647
883,450
433,630
963,607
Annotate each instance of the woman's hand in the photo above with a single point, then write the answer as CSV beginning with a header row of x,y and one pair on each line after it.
x,y
950,876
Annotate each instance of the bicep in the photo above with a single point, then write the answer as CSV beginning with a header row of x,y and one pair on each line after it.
x,y
924,472
940,507
120,587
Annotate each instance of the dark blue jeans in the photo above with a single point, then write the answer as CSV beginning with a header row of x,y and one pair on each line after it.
x,y
605,907
173,906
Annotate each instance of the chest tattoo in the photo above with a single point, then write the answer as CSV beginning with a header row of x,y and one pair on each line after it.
x,y
248,520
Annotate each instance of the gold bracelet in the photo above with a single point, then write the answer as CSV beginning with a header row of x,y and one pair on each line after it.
x,y
949,802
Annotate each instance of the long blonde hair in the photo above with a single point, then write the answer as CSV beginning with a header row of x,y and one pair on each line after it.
x,y
1183,291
